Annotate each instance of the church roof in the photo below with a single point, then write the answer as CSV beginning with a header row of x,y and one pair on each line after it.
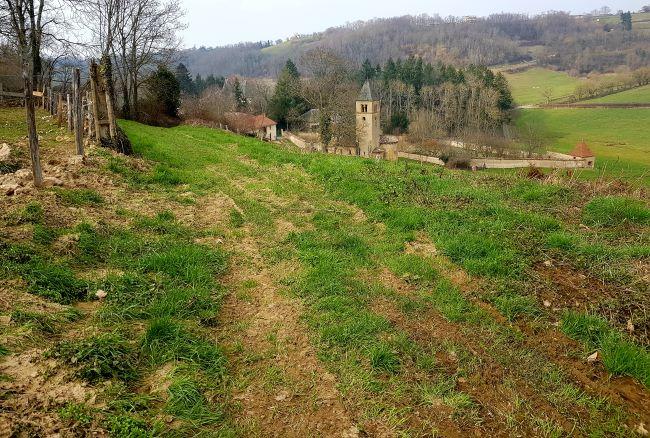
x,y
581,151
365,93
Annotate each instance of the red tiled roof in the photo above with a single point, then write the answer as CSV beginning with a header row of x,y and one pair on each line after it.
x,y
248,122
581,151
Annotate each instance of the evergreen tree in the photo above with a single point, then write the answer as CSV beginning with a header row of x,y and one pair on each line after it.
x,y
626,20
199,85
325,128
184,79
367,71
241,102
166,90
286,97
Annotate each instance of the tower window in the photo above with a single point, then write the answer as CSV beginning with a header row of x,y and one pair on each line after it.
x,y
364,108
364,119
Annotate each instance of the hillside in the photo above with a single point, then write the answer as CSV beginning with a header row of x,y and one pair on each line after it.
x,y
635,95
532,85
557,39
219,285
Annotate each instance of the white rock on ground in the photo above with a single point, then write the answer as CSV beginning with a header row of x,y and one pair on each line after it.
x,y
50,181
5,151
8,189
23,174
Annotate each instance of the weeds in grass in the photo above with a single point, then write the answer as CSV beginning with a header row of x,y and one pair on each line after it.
x,y
76,414
167,340
127,426
613,211
186,401
384,358
101,357
33,213
79,197
620,355
443,391
513,306
44,322
236,218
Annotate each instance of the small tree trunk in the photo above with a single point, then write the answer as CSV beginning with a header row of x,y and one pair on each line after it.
x,y
102,133
78,116
30,113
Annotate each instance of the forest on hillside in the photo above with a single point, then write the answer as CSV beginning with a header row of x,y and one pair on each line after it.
x,y
580,44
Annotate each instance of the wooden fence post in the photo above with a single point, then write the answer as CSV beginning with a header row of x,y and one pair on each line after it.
x,y
59,110
89,115
2,99
78,117
69,109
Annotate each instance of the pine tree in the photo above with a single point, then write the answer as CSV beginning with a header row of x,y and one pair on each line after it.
x,y
166,90
184,79
199,85
240,99
286,97
626,20
367,71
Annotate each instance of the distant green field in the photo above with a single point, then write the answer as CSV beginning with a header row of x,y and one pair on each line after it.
x,y
635,95
620,138
528,86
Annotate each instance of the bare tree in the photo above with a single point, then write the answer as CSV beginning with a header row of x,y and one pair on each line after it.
x,y
136,35
23,22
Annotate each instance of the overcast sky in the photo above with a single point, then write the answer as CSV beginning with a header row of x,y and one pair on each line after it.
x,y
218,22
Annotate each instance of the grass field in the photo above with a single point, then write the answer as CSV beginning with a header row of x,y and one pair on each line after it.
x,y
619,137
254,290
528,86
635,95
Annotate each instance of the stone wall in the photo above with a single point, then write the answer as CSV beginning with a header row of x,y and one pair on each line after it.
x,y
495,163
421,158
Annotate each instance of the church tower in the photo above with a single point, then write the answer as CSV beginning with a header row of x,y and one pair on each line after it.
x,y
368,128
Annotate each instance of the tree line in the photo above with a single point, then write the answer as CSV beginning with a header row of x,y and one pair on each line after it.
x,y
580,44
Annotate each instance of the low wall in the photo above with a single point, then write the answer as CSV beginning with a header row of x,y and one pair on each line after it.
x,y
421,158
492,163
302,144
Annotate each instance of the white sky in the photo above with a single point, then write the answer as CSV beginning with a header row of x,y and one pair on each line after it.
x,y
218,22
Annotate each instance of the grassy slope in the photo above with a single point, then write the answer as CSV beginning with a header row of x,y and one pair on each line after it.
x,y
528,86
619,137
636,95
372,250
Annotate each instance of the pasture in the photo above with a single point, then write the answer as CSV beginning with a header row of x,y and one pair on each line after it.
x,y
249,288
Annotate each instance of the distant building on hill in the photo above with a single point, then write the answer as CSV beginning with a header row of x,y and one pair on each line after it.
x,y
582,152
259,126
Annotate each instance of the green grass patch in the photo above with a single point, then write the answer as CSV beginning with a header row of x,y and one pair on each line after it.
x,y
620,355
615,210
79,197
101,357
186,401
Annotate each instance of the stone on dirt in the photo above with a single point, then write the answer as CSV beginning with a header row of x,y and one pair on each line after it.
x,y
100,294
8,189
23,174
5,151
51,181
595,357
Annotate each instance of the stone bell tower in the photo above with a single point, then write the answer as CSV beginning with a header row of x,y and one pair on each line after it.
x,y
368,128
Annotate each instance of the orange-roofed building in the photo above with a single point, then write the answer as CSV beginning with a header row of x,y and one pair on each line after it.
x,y
259,126
582,151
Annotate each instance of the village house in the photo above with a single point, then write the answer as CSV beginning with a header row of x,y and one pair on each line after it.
x,y
582,152
258,126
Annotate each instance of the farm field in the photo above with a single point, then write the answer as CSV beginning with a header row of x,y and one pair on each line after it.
x,y
619,137
528,86
250,289
635,95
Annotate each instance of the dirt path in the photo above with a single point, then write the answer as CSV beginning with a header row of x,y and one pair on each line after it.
x,y
279,386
